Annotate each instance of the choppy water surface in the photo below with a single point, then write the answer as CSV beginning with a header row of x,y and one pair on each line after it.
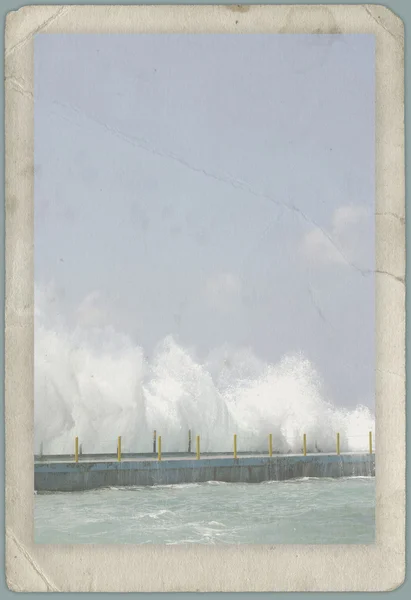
x,y
305,511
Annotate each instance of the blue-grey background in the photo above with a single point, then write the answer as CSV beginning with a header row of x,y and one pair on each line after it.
x,y
403,9
219,188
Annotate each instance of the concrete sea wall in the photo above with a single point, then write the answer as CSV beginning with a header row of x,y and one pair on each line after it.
x,y
72,476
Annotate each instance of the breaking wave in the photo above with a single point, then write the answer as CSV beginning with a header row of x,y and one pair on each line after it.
x,y
97,384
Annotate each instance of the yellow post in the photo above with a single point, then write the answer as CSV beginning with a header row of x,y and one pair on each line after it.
x,y
270,444
119,448
338,443
76,449
370,441
159,447
235,445
198,447
305,444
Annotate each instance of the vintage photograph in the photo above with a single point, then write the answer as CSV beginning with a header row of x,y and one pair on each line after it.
x,y
204,276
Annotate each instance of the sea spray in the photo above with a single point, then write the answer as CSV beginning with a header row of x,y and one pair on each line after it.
x,y
95,383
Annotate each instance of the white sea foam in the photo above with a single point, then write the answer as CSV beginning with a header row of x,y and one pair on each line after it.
x,y
96,384
308,512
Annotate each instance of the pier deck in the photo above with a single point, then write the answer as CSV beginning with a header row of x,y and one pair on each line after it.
x,y
61,473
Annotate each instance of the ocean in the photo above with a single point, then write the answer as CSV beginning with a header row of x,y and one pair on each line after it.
x,y
301,511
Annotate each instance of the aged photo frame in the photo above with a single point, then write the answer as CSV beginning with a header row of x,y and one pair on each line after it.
x,y
376,567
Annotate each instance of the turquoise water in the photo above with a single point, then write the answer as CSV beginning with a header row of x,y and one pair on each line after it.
x,y
304,511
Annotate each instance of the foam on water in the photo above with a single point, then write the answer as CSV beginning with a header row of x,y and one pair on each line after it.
x,y
334,511
96,384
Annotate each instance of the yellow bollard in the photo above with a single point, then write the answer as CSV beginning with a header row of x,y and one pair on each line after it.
x,y
119,448
338,443
270,444
370,441
305,444
198,447
235,445
159,447
76,449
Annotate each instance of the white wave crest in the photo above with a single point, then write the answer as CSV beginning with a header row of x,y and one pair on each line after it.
x,y
96,384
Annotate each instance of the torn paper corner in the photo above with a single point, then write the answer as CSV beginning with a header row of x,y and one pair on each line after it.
x,y
24,23
23,574
387,19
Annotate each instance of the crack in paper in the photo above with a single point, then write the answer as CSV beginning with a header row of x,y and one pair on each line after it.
x,y
380,24
396,277
14,83
390,373
50,586
234,182
391,214
60,13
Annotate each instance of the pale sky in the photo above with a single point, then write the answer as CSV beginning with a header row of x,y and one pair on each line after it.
x,y
218,188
